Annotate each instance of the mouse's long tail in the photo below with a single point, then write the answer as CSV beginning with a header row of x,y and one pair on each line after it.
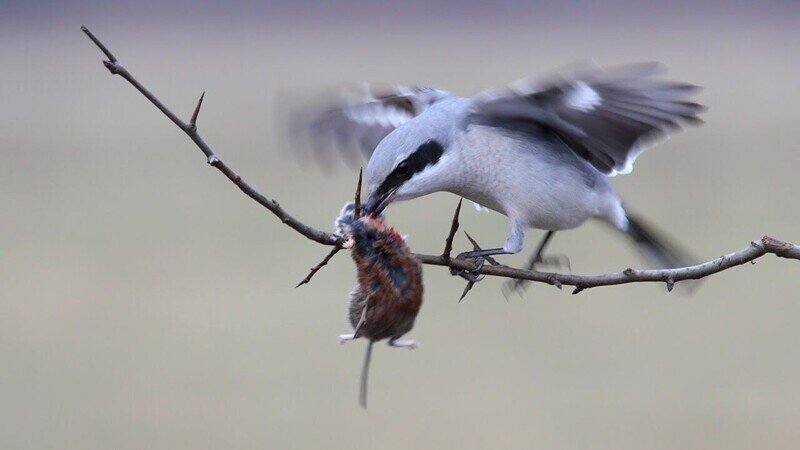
x,y
362,397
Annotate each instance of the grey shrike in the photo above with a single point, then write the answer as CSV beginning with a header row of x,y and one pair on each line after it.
x,y
540,154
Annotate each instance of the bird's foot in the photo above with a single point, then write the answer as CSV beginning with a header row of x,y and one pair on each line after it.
x,y
404,343
558,260
483,254
480,257
472,275
517,286
345,338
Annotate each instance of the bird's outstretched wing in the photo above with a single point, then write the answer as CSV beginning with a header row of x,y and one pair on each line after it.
x,y
605,116
353,128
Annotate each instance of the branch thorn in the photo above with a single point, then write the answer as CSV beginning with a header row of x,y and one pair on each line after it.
x,y
477,247
448,243
193,120
467,288
357,201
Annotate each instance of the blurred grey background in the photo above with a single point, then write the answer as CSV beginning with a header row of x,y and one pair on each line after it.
x,y
146,303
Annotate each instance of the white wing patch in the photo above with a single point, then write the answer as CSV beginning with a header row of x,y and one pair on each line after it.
x,y
377,113
582,97
607,116
636,150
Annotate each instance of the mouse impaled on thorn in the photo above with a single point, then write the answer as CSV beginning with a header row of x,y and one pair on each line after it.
x,y
388,296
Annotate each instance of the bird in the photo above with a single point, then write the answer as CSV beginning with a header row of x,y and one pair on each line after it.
x,y
385,302
540,152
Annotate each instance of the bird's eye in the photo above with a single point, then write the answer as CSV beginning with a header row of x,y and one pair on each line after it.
x,y
403,168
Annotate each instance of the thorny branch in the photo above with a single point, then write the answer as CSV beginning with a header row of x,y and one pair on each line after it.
x,y
329,256
113,66
755,250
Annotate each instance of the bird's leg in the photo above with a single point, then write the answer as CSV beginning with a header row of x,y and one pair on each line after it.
x,y
539,257
403,343
558,260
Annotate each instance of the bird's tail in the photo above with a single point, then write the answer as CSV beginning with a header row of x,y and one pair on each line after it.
x,y
654,246
362,397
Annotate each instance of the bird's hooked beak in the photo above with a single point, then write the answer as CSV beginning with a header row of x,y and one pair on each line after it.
x,y
376,203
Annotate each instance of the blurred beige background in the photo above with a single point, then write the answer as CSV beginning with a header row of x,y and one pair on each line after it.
x,y
146,303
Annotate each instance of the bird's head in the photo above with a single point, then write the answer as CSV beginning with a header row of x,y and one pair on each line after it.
x,y
413,160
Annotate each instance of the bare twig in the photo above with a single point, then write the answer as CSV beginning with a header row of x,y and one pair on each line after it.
x,y
113,66
356,214
757,249
100,45
316,268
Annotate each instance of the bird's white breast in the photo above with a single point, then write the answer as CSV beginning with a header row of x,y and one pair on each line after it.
x,y
533,181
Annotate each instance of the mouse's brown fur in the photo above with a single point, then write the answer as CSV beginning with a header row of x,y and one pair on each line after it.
x,y
388,296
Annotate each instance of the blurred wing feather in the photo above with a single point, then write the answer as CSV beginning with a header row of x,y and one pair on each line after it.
x,y
354,127
605,116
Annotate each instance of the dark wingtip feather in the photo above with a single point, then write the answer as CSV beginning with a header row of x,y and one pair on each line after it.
x,y
662,249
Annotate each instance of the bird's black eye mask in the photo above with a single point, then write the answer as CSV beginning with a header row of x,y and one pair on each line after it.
x,y
425,155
